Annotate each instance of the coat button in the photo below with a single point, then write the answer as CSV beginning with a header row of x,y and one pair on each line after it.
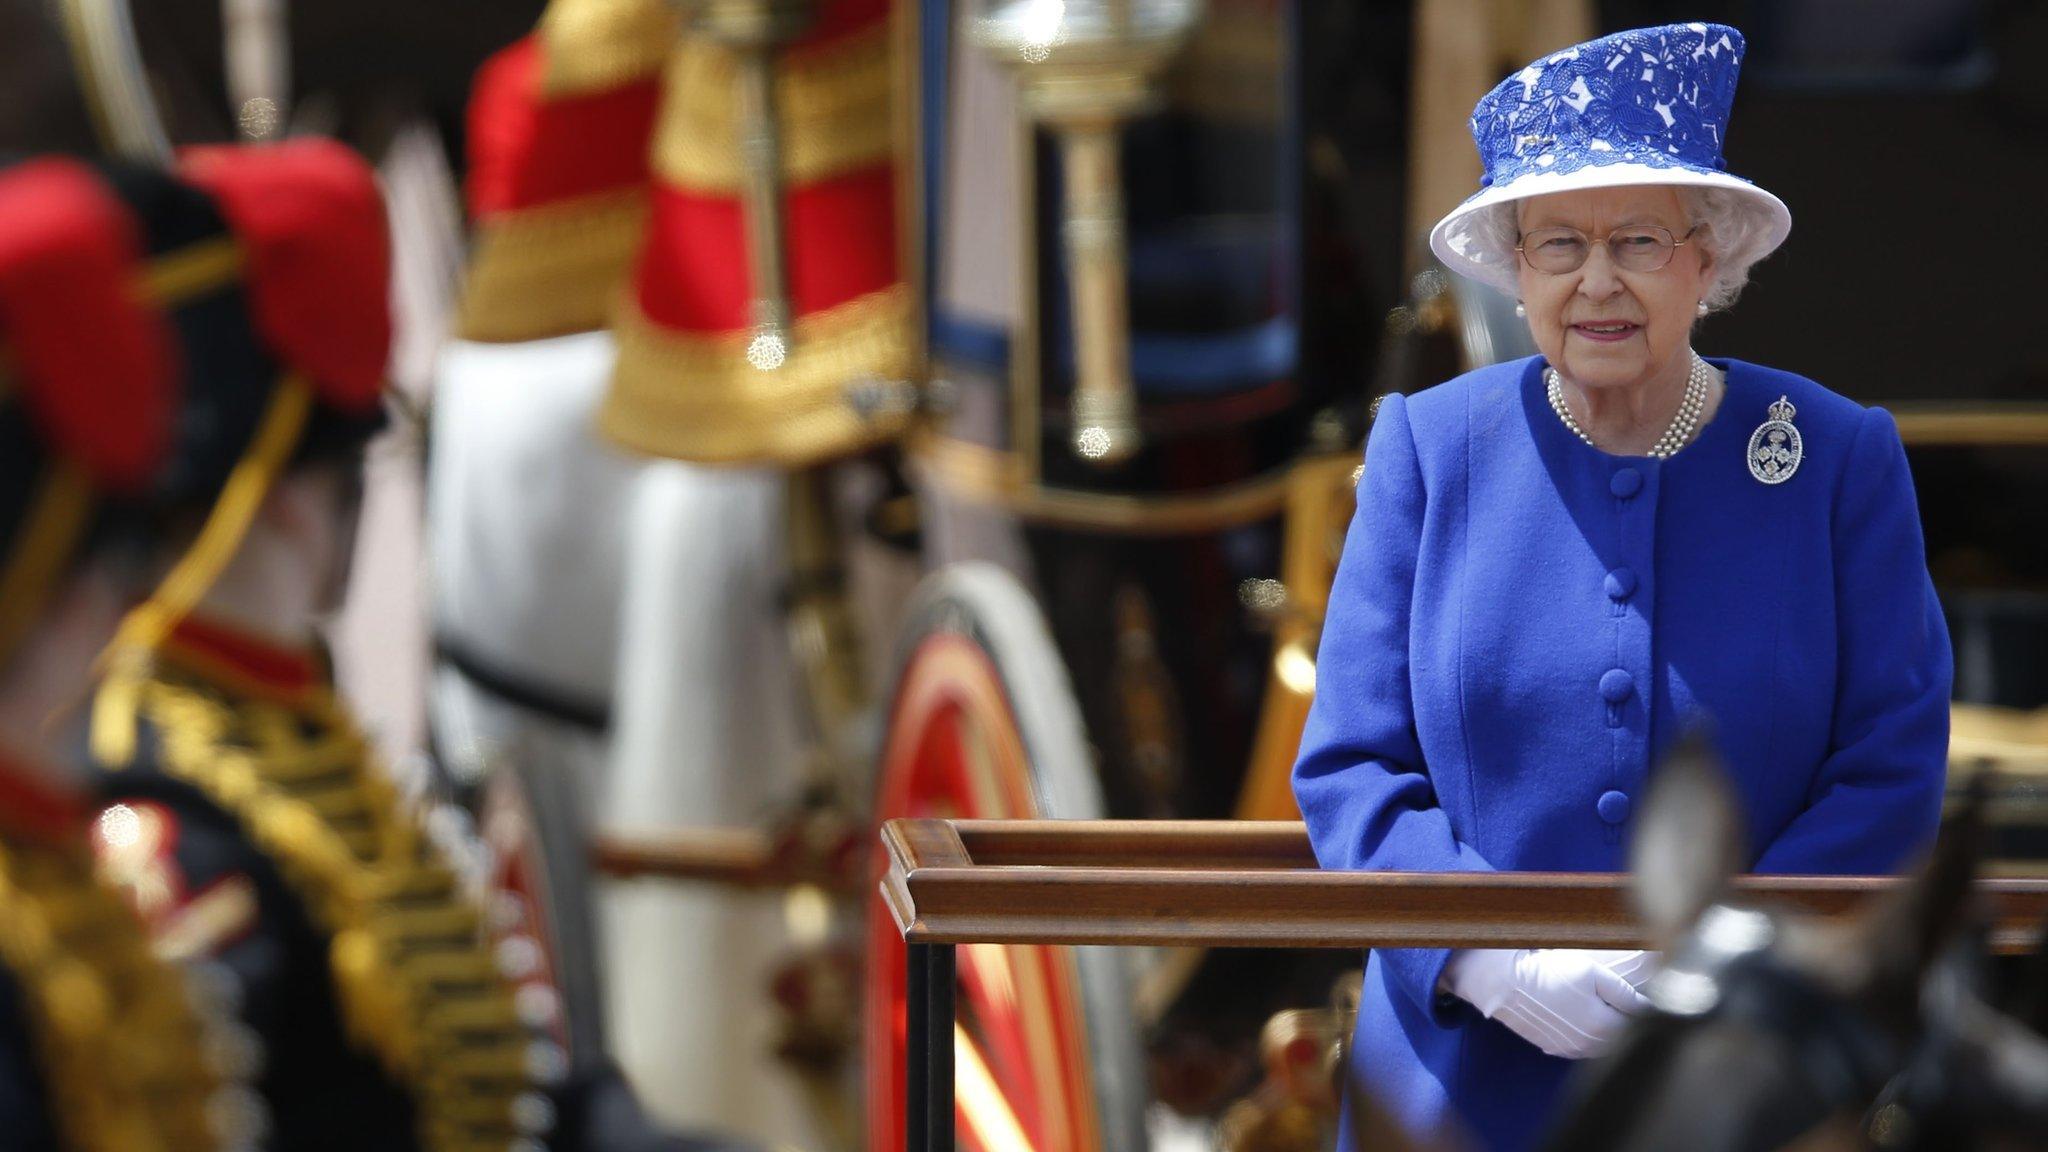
x,y
1626,482
1613,806
1616,685
1621,584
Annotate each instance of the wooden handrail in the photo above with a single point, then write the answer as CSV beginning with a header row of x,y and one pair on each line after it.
x,y
734,857
1255,883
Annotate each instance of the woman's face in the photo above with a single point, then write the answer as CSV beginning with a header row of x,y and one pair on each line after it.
x,y
1604,326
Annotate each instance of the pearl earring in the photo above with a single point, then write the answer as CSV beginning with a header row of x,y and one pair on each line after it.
x,y
1703,307
1521,309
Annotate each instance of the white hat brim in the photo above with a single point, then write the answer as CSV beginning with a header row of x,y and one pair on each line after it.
x,y
1455,243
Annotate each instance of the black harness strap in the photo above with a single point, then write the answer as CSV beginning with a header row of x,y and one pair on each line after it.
x,y
562,706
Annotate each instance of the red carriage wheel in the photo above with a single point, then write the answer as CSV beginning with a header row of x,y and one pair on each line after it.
x,y
983,724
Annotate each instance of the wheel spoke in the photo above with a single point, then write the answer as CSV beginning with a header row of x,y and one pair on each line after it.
x,y
1033,1038
980,1102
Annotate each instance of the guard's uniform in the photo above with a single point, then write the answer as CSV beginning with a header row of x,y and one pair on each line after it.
x,y
701,377
402,1005
100,1047
362,957
101,1044
570,579
734,404
245,814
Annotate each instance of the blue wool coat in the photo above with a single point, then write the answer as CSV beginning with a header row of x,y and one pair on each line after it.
x,y
1520,622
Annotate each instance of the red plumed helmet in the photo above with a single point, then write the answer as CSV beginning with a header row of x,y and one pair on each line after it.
x,y
93,364
310,217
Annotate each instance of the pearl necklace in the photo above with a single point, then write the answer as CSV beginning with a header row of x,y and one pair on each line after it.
x,y
1683,425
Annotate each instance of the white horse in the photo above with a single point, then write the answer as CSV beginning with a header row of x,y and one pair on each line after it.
x,y
614,621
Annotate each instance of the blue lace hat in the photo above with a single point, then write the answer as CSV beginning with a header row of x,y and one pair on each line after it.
x,y
1646,106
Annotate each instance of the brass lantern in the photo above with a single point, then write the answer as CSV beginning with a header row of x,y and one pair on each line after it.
x,y
1085,67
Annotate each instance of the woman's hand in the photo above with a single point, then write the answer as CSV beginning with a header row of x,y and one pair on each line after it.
x,y
1568,1002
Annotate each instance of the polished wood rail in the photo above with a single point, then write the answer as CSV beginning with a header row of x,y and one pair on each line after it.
x,y
1255,883
732,857
1246,883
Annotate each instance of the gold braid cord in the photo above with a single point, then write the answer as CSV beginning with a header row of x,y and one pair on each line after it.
x,y
55,522
413,972
696,397
122,1052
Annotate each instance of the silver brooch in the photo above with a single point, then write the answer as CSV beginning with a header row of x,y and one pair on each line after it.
x,y
1775,448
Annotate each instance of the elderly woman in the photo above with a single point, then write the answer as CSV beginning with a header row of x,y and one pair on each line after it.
x,y
1559,562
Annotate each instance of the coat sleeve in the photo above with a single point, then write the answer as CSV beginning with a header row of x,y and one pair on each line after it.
x,y
1876,800
1360,781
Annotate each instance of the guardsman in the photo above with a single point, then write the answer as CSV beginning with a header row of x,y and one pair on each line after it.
x,y
762,340
403,1004
575,651
244,812
101,1047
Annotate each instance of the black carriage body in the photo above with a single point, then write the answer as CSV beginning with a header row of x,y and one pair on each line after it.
x,y
1263,202
1263,208
1897,134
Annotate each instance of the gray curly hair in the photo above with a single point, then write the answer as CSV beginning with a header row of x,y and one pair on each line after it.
x,y
1732,229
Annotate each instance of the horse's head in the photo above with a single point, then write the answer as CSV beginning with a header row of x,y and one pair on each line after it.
x,y
1979,1077
1770,1029
1977,1080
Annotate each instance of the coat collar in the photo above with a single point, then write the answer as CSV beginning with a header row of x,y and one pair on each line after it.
x,y
247,661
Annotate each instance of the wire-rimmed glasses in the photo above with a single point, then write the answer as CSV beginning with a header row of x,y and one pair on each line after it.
x,y
1632,248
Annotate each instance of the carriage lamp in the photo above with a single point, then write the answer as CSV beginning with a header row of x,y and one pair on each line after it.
x,y
752,31
1085,67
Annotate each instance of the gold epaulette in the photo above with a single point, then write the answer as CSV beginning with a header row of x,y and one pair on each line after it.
x,y
414,973
733,413
122,1052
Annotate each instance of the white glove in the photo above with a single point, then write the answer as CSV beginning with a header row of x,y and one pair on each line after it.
x,y
1569,1002
1634,967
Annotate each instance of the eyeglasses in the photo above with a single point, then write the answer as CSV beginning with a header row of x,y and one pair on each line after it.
x,y
1636,248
